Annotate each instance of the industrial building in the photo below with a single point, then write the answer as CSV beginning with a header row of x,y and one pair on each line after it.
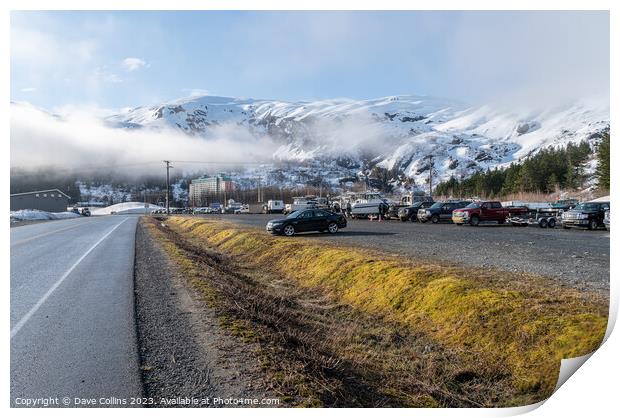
x,y
52,200
206,188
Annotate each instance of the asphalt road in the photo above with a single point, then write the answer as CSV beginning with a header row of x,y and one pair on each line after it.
x,y
72,310
578,258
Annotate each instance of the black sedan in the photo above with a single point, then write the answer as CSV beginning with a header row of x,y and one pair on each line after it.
x,y
307,220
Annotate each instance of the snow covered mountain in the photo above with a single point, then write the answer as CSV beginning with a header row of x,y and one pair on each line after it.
x,y
396,133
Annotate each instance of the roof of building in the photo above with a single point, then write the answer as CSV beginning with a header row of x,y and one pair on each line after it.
x,y
42,191
211,178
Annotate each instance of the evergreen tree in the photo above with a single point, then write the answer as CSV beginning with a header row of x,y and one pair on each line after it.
x,y
603,169
543,172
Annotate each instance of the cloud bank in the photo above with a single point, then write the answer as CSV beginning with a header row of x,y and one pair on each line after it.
x,y
80,141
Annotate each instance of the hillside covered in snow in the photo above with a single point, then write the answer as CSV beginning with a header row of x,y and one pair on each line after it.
x,y
396,133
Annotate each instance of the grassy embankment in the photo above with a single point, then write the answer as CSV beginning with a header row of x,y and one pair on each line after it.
x,y
499,335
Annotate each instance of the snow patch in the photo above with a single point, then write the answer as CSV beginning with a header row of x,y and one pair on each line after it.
x,y
39,215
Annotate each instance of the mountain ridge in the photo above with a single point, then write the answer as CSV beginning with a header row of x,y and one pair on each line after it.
x,y
394,133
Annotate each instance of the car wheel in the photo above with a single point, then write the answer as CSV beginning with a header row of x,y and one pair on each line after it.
x,y
403,219
332,228
593,224
474,221
435,219
543,223
289,230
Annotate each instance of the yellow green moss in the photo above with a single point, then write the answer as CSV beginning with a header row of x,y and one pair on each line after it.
x,y
527,330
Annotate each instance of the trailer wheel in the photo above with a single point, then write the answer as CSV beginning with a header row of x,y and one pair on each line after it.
x,y
551,223
542,223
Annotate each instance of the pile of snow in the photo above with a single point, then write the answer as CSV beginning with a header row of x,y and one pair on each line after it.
x,y
39,215
126,208
603,199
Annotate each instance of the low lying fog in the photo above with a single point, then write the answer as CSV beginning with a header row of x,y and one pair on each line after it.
x,y
82,141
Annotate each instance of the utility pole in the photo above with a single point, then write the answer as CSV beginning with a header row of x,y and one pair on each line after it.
x,y
168,167
260,197
431,165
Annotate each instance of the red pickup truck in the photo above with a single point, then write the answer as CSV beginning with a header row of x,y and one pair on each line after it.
x,y
485,211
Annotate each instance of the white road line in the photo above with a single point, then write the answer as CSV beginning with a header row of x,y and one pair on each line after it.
x,y
51,290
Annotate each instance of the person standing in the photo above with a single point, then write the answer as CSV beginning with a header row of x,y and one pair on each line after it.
x,y
382,211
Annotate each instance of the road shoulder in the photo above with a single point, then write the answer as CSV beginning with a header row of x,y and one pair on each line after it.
x,y
183,351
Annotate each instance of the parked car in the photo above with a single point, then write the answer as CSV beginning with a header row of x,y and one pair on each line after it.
x,y
407,201
410,213
85,212
440,211
565,204
274,206
486,211
607,221
243,209
589,215
75,210
320,220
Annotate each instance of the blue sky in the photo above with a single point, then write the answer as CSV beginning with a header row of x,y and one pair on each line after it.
x,y
112,60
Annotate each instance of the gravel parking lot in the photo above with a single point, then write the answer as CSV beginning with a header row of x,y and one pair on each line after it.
x,y
579,258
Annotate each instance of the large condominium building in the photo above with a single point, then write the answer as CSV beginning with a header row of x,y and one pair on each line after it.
x,y
206,189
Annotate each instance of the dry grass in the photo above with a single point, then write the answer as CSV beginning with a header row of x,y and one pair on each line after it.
x,y
542,197
497,340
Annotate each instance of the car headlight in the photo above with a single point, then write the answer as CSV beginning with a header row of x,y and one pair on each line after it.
x,y
428,212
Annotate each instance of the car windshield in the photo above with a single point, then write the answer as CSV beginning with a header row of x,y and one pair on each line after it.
x,y
437,205
473,205
295,214
587,206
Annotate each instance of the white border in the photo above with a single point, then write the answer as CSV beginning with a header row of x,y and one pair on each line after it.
x,y
591,392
